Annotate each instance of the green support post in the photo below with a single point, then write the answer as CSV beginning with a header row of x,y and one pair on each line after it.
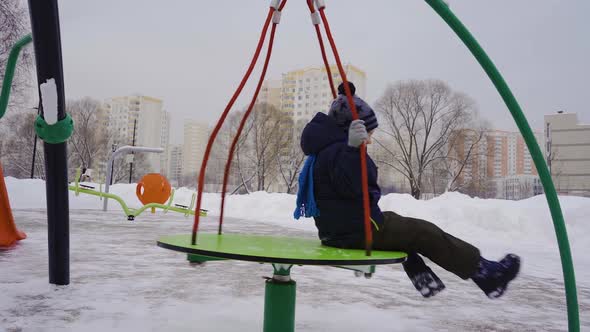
x,y
447,15
279,301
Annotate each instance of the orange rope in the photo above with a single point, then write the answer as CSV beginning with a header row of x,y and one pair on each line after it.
x,y
201,182
363,148
244,119
323,50
368,230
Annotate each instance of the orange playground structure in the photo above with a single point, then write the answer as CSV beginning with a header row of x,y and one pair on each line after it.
x,y
9,234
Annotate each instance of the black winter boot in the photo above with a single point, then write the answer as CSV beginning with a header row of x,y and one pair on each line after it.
x,y
493,277
422,277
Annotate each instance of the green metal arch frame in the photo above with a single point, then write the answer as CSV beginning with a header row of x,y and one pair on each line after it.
x,y
443,10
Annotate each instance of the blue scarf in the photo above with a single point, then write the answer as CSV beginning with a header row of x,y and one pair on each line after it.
x,y
306,205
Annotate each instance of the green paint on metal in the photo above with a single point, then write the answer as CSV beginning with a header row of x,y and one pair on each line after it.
x,y
129,211
9,73
273,249
201,259
562,240
282,269
279,306
56,133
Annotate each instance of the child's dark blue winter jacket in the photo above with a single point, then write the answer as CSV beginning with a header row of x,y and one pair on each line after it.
x,y
337,183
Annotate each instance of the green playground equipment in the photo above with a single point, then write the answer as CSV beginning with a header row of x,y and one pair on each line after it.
x,y
280,290
443,10
130,212
282,253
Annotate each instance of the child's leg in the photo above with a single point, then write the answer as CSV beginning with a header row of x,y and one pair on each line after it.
x,y
416,235
422,277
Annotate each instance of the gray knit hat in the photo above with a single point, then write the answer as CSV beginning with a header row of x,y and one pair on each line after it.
x,y
340,111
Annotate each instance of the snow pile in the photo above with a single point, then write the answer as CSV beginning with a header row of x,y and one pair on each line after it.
x,y
496,226
454,212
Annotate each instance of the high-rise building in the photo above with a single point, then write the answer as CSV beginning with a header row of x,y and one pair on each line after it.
x,y
165,143
196,135
567,149
306,91
299,95
137,120
270,93
175,163
500,156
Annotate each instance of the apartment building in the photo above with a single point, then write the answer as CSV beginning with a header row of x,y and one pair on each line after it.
x,y
305,92
136,120
499,160
498,154
567,149
270,93
196,135
175,163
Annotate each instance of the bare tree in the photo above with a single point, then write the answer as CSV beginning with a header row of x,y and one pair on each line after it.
x,y
555,167
188,180
466,147
420,116
17,146
291,159
263,141
87,144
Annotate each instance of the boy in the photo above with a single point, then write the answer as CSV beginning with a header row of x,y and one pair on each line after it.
x,y
333,143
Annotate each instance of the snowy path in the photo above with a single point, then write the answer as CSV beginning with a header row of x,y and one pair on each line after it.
x,y
121,281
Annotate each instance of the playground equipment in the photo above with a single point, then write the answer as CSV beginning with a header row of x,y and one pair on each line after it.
x,y
9,234
46,37
132,213
441,8
123,150
283,253
153,188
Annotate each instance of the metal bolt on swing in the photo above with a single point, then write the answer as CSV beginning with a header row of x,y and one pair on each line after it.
x,y
320,4
276,17
275,4
315,18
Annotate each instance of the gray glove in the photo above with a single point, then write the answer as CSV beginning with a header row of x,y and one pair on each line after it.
x,y
357,133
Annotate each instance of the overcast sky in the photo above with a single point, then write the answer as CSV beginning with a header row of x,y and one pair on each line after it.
x,y
192,54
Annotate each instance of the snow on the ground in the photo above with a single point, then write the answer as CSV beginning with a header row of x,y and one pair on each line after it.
x,y
121,281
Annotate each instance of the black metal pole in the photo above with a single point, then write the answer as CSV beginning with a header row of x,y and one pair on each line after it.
x,y
47,41
113,149
133,154
34,156
35,148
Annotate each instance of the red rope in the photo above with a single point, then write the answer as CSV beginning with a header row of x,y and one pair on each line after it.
x,y
282,5
201,182
368,230
323,49
244,119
